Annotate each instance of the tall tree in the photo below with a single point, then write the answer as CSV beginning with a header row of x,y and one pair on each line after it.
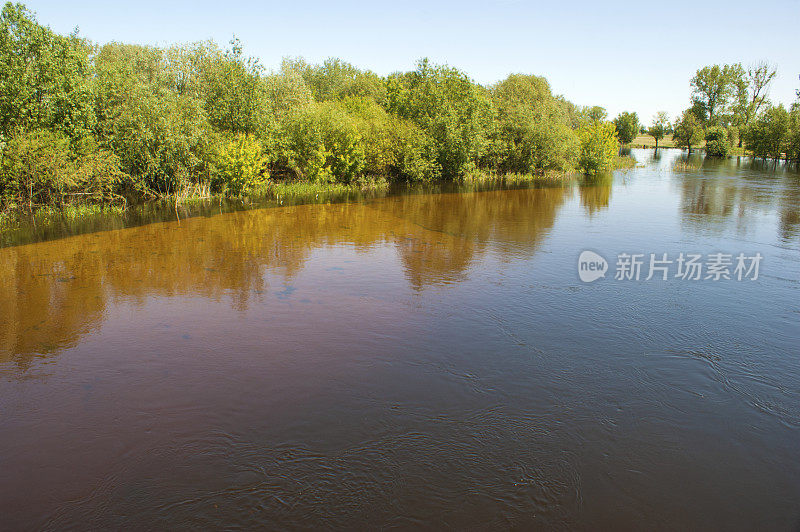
x,y
713,87
752,92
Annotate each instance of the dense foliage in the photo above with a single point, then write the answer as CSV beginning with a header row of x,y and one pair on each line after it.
x,y
111,123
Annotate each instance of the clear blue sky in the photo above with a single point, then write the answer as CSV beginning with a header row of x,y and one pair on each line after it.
x,y
636,56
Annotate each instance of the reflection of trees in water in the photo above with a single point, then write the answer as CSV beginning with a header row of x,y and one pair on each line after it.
x,y
54,292
595,193
719,191
450,230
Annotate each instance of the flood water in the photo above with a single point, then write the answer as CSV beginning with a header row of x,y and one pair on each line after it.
x,y
423,359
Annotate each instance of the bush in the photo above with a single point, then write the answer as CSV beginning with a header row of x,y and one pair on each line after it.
x,y
599,147
717,144
323,144
449,107
393,147
532,132
767,135
240,166
36,169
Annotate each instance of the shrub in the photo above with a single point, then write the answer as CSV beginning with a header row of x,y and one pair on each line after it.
x,y
35,169
393,147
323,144
532,132
599,147
717,144
240,165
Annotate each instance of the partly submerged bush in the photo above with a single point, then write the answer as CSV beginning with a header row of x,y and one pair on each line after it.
x,y
717,144
599,146
38,168
240,165
323,144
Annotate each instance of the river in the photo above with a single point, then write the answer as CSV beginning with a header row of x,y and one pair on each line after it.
x,y
425,358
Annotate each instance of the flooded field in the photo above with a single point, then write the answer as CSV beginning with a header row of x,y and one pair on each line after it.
x,y
423,359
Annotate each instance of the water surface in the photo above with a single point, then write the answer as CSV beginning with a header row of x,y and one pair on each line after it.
x,y
420,359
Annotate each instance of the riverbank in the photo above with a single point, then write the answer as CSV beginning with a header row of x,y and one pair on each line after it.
x,y
271,193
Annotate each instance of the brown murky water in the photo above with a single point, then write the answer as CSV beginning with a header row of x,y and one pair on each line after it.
x,y
417,360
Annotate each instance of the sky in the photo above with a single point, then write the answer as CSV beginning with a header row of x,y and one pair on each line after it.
x,y
636,56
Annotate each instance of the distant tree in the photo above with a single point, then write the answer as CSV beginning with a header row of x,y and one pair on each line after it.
x,y
659,127
713,87
627,125
688,130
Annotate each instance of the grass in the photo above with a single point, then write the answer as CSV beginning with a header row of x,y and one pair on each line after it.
x,y
646,141
43,215
513,178
308,188
624,162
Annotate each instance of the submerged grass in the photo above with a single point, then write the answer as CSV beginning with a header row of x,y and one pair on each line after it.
x,y
49,214
513,178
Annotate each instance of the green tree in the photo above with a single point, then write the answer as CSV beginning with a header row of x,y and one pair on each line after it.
x,y
767,135
160,136
233,91
793,140
752,93
627,125
713,87
335,79
597,113
688,130
659,127
44,77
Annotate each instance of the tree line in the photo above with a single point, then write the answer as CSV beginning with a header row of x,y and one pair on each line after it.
x,y
730,108
87,123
